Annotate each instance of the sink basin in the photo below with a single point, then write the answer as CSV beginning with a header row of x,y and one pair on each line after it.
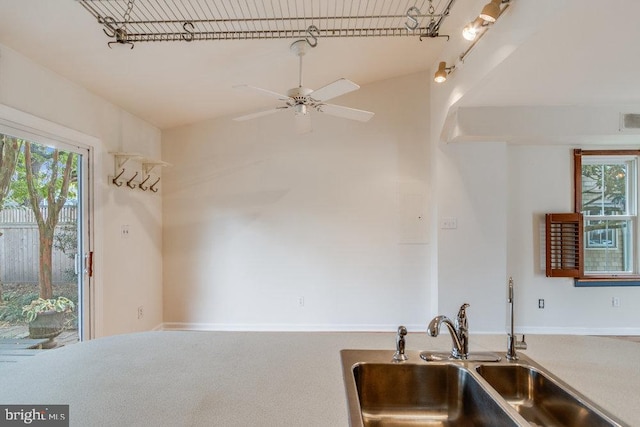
x,y
425,395
541,399
382,393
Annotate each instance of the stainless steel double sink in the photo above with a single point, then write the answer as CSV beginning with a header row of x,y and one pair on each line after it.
x,y
381,392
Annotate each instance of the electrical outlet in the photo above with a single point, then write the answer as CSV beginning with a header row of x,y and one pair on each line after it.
x,y
140,312
124,231
541,303
615,302
300,301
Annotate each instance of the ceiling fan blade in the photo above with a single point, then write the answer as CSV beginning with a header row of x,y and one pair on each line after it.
x,y
264,92
259,114
346,112
303,123
332,90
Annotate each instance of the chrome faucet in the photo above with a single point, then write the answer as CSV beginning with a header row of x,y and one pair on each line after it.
x,y
399,355
513,344
459,332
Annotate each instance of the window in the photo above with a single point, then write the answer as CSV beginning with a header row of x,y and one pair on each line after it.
x,y
606,210
606,191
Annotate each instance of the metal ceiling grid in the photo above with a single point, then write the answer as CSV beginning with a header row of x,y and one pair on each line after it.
x,y
129,21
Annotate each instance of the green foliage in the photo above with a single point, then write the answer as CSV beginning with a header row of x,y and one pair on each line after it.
x,y
42,165
48,181
60,304
65,239
15,299
10,149
11,309
604,185
18,194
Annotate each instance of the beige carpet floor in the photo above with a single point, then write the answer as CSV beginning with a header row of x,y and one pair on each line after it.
x,y
192,379
268,379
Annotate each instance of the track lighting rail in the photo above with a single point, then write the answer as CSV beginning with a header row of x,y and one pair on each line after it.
x,y
482,31
473,32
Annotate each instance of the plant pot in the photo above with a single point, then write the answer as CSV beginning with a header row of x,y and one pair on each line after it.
x,y
47,324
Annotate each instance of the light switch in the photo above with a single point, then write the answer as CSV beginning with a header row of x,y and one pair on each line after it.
x,y
449,223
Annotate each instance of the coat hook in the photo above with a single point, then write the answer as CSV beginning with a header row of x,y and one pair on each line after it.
x,y
130,182
141,185
152,187
115,180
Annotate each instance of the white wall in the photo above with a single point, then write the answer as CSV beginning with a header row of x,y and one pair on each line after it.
x,y
128,273
541,181
348,217
256,216
471,187
518,182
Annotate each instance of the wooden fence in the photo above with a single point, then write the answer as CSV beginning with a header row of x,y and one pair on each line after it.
x,y
19,246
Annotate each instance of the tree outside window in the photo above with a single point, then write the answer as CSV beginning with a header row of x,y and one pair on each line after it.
x,y
608,206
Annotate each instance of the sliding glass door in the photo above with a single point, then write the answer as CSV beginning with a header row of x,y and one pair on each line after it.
x,y
45,259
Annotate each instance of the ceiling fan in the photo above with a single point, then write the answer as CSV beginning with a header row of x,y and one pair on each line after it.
x,y
302,99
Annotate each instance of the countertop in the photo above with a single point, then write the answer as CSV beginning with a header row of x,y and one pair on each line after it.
x,y
279,379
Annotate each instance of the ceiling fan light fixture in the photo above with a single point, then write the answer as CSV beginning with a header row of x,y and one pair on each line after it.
x,y
441,75
300,109
491,11
302,100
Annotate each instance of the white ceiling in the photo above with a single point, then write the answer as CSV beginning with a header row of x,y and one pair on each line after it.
x,y
175,83
584,52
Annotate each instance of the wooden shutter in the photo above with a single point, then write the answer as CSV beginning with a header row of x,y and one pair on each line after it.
x,y
564,251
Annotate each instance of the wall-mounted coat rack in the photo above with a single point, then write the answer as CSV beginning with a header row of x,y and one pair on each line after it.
x,y
128,166
120,160
148,165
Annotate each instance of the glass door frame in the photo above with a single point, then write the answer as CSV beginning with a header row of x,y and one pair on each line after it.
x,y
43,132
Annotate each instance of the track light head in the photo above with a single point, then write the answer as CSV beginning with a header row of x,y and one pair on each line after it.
x,y
441,75
470,31
491,11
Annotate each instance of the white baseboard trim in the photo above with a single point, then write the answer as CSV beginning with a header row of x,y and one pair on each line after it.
x,y
271,327
277,327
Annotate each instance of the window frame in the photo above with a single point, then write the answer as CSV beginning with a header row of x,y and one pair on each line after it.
x,y
604,279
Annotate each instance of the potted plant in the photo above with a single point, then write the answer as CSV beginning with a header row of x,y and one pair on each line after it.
x,y
46,316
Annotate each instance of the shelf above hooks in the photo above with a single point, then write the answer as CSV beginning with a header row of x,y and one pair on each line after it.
x,y
121,157
149,164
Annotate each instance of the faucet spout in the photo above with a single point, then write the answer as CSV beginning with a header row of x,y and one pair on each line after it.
x,y
462,329
512,341
433,330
